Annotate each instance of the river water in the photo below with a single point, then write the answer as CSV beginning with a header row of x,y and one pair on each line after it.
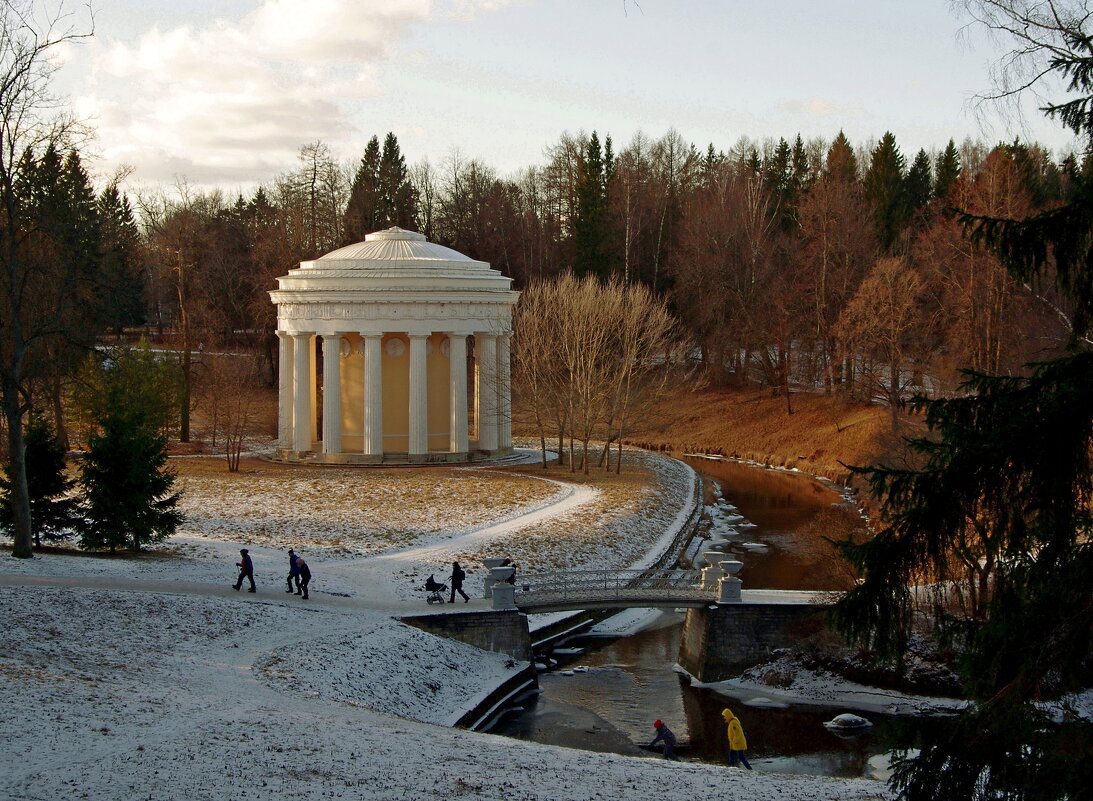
x,y
606,696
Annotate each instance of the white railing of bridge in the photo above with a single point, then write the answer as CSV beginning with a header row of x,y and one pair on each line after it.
x,y
565,586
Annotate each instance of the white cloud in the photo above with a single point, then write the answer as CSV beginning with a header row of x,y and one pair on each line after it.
x,y
235,99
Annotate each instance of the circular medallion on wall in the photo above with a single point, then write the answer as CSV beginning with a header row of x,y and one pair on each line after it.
x,y
395,348
345,349
446,347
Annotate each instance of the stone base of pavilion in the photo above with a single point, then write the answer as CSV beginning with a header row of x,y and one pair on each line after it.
x,y
396,459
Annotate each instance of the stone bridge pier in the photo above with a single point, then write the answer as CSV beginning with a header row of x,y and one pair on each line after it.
x,y
720,640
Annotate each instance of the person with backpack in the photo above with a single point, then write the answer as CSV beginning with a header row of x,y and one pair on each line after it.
x,y
246,571
457,583
664,734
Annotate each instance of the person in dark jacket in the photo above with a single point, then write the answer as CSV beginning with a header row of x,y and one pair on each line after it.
x,y
246,570
293,572
305,576
457,583
664,734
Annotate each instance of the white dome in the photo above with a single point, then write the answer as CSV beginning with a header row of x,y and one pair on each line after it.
x,y
396,245
392,277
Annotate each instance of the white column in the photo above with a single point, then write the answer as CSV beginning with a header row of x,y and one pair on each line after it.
x,y
504,393
373,395
302,389
284,390
313,383
485,362
419,397
457,392
332,393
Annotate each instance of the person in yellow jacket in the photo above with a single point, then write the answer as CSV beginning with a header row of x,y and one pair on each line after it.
x,y
738,745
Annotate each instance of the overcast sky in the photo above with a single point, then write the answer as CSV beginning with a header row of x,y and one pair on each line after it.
x,y
226,91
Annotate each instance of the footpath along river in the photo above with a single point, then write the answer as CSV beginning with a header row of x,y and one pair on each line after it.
x,y
605,696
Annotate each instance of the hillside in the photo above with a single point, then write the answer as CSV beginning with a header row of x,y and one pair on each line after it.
x,y
823,434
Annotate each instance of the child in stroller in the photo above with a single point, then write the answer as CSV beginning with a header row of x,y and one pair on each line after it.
x,y
436,590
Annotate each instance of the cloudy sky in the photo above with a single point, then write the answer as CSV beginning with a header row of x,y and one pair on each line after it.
x,y
226,91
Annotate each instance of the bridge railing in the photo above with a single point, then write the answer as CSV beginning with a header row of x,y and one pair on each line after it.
x,y
564,585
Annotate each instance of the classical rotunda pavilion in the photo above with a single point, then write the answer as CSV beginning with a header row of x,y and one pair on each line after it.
x,y
414,357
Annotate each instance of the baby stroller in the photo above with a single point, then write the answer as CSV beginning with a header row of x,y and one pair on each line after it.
x,y
436,591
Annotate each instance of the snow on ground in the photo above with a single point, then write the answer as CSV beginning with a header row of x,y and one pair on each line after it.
x,y
150,678
782,680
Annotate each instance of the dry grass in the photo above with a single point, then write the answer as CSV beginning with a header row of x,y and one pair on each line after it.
x,y
345,510
823,434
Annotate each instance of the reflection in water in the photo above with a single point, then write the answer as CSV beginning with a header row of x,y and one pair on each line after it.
x,y
630,682
783,506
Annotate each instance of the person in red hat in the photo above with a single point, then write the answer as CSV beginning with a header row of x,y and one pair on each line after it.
x,y
664,734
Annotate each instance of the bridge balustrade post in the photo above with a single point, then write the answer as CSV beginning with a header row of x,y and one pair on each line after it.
x,y
491,563
729,586
504,596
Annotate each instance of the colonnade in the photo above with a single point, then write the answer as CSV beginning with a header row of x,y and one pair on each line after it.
x,y
298,393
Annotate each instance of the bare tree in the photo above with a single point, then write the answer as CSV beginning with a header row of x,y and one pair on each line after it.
x,y
887,321
35,294
587,358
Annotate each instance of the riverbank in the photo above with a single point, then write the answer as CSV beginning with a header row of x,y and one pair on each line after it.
x,y
822,435
150,677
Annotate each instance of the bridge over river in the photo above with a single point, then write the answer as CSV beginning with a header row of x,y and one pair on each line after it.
x,y
652,588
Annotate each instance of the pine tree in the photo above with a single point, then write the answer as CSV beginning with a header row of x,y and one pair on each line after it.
x,y
1009,472
946,171
885,185
123,266
52,511
841,161
363,211
919,182
590,226
397,200
800,179
124,475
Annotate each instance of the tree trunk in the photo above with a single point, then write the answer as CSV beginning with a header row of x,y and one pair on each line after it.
x,y
58,414
17,472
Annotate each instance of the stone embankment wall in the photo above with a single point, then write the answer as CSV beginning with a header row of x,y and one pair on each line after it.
x,y
500,632
717,642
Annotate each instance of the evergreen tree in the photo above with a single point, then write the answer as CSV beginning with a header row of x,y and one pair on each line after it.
x,y
123,267
126,483
999,520
52,511
946,171
800,179
1008,482
590,226
397,200
885,185
754,165
363,211
841,161
919,182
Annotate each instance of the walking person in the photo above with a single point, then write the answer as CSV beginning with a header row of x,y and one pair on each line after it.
x,y
293,572
664,734
738,745
246,570
457,583
304,578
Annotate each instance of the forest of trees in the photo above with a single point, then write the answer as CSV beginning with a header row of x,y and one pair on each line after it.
x,y
813,265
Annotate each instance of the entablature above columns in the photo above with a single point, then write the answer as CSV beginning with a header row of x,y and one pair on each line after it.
x,y
410,318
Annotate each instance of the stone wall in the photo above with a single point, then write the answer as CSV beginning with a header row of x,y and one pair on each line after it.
x,y
717,642
500,632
